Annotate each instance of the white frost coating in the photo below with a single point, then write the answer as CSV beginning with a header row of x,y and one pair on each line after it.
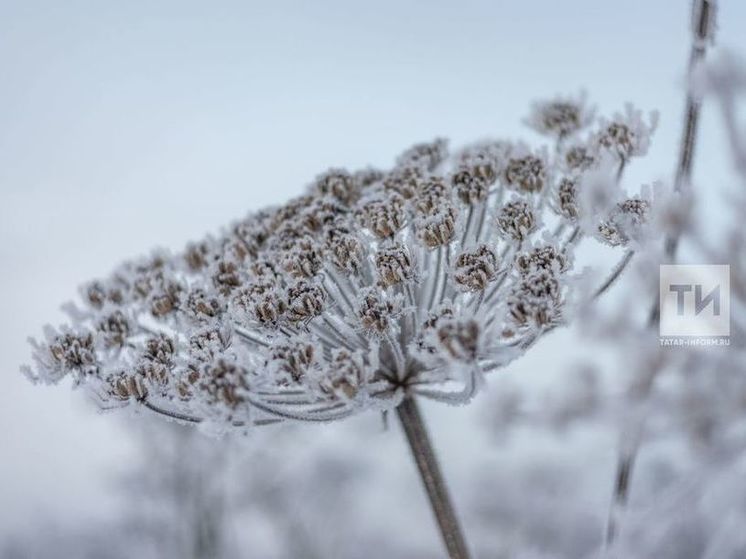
x,y
374,284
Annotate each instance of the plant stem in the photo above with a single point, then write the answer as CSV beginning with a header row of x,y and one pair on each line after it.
x,y
432,479
703,12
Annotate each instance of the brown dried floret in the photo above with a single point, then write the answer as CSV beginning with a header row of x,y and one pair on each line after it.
x,y
375,312
476,268
344,375
97,293
125,386
202,305
516,220
343,249
165,299
546,257
287,215
394,265
223,382
431,196
114,328
197,256
526,174
579,158
619,138
535,299
75,353
437,229
323,213
470,187
427,155
624,221
567,198
304,301
369,176
561,118
404,181
338,183
384,216
460,338
226,277
304,259
291,360
208,343
158,360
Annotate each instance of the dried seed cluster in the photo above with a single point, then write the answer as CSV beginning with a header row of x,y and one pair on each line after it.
x,y
372,284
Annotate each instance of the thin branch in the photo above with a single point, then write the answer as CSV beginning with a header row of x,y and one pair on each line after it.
x,y
615,273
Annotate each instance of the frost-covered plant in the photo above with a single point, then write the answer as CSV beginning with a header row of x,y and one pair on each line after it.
x,y
372,288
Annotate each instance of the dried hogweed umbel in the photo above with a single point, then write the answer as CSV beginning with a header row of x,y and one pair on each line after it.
x,y
372,286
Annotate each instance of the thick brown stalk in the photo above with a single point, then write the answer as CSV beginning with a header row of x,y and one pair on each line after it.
x,y
432,479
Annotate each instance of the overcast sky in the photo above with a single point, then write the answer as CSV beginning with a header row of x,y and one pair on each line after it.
x,y
125,125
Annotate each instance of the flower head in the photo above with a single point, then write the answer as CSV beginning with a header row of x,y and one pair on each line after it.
x,y
373,285
560,117
627,134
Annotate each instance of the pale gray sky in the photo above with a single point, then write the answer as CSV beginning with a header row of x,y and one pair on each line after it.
x,y
125,125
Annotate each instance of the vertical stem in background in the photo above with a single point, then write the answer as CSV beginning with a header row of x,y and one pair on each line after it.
x,y
703,25
432,479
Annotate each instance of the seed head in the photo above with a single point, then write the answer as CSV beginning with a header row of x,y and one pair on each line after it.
x,y
432,196
437,229
426,155
375,312
547,258
516,220
339,184
345,374
344,249
579,158
460,338
475,268
624,222
535,300
526,174
291,361
124,386
114,329
627,134
304,301
383,217
560,117
223,383
567,198
394,265
470,187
